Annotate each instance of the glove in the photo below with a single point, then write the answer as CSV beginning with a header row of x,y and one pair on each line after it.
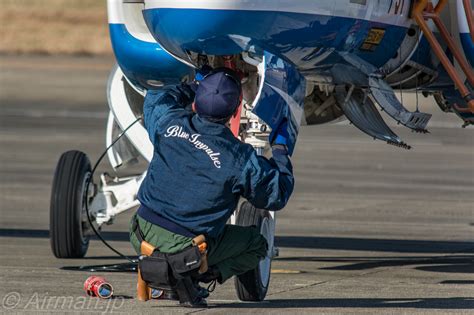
x,y
280,135
202,73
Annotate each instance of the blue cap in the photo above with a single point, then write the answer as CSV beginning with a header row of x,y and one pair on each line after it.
x,y
218,94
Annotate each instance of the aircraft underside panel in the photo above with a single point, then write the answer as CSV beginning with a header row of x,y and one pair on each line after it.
x,y
361,112
383,94
298,37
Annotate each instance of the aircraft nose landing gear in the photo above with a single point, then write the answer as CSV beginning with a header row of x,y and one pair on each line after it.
x,y
70,225
68,220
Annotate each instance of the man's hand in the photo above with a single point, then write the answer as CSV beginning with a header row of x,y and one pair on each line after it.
x,y
186,94
202,73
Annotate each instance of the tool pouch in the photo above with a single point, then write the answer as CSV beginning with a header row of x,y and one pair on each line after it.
x,y
156,272
163,271
185,263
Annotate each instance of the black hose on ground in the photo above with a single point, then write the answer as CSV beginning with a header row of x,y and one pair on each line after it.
x,y
86,203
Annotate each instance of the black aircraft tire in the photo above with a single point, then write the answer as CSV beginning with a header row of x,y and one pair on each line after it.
x,y
249,285
67,200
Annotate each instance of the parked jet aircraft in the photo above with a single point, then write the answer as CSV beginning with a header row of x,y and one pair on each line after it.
x,y
311,62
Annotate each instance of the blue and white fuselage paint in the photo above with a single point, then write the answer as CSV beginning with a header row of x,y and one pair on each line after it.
x,y
301,38
299,43
298,31
308,34
141,58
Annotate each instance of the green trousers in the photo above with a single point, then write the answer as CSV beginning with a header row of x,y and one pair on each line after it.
x,y
237,250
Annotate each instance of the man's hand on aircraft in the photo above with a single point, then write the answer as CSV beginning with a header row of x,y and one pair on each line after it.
x,y
202,73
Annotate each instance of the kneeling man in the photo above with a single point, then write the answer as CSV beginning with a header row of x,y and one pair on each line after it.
x,y
198,173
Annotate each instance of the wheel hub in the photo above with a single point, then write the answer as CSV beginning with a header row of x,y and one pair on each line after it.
x,y
265,264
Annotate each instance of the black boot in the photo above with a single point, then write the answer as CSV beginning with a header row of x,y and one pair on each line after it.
x,y
213,273
202,292
189,295
171,295
164,294
198,302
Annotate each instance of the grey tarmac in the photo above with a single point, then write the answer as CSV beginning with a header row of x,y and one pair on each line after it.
x,y
370,229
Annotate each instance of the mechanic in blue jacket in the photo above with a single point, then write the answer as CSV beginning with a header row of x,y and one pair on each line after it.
x,y
200,170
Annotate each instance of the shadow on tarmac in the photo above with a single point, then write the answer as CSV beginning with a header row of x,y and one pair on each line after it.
x,y
315,242
424,303
377,245
451,264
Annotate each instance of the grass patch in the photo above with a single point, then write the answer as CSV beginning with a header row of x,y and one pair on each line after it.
x,y
54,27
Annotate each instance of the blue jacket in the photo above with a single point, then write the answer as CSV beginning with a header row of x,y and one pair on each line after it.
x,y
199,169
